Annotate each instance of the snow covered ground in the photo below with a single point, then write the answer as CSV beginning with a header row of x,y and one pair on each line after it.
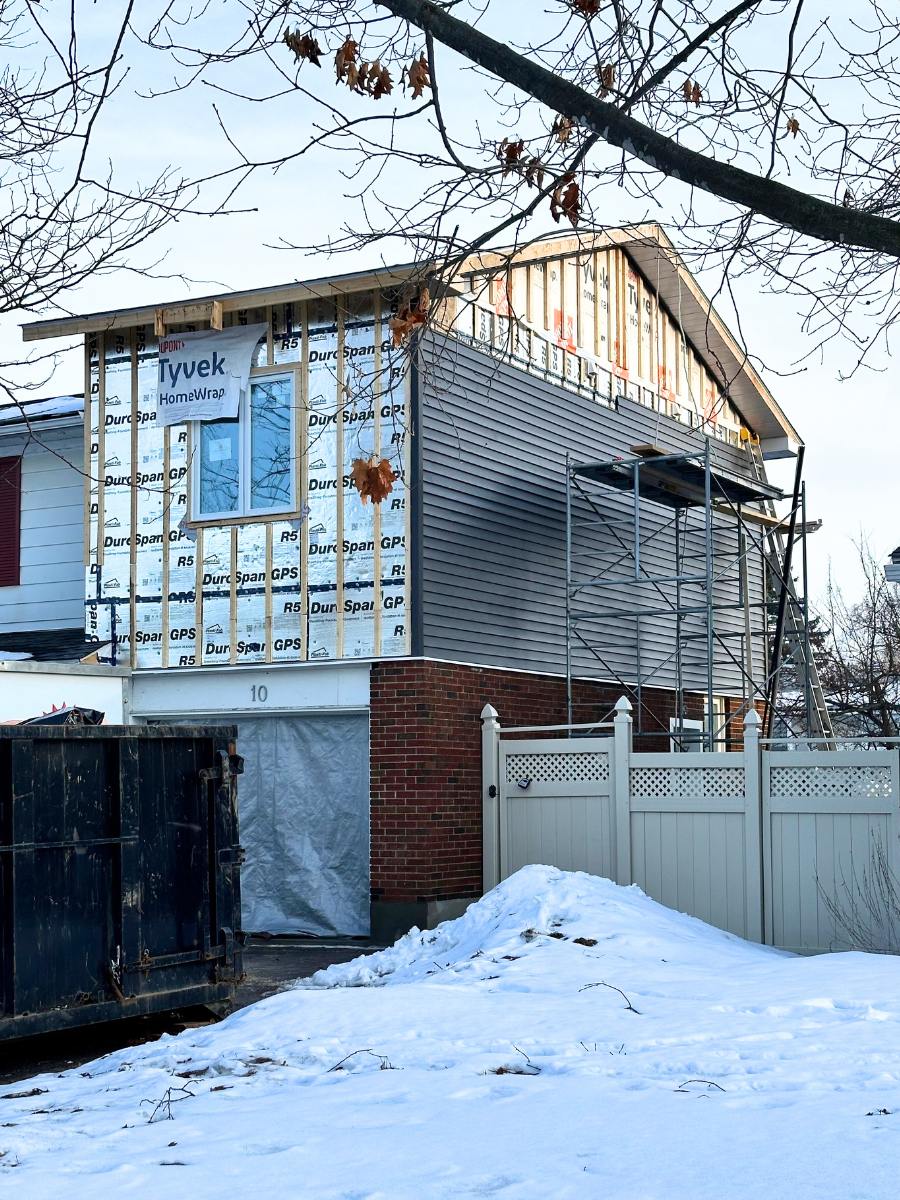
x,y
566,1037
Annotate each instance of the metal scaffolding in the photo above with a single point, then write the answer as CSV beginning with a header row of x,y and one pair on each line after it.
x,y
692,582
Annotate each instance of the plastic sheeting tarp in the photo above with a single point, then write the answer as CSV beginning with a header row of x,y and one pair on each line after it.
x,y
303,807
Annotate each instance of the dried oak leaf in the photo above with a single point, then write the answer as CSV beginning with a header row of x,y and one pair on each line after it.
x,y
418,76
793,126
562,129
510,154
380,80
373,479
607,75
534,173
411,315
566,200
304,46
585,8
345,57
696,93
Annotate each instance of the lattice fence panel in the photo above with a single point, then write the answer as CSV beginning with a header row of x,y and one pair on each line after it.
x,y
852,782
689,783
591,767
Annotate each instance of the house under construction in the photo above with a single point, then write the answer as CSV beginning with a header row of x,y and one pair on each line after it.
x,y
581,509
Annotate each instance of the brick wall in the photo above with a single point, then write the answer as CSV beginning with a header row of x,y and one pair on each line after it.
x,y
425,763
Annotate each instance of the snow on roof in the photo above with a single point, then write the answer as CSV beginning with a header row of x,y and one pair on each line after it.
x,y
41,410
556,1040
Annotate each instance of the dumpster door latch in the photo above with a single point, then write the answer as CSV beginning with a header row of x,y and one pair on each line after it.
x,y
227,767
115,975
232,856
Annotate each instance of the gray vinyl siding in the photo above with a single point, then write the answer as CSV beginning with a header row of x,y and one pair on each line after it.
x,y
492,444
51,592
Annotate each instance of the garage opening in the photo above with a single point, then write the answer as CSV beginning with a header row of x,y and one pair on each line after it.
x,y
303,806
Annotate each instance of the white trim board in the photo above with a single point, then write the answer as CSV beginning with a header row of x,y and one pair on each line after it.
x,y
218,690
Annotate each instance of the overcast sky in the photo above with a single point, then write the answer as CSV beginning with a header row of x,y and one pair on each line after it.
x,y
850,428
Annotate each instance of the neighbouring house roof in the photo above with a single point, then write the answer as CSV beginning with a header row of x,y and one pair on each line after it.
x,y
647,246
25,413
46,645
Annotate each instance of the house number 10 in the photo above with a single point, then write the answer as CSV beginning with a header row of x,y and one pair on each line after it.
x,y
259,694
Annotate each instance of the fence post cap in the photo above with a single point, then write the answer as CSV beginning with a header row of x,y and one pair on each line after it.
x,y
752,720
489,713
623,705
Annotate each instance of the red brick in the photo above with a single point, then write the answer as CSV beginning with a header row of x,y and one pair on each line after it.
x,y
425,767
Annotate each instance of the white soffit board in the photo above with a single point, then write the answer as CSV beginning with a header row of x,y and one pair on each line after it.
x,y
257,690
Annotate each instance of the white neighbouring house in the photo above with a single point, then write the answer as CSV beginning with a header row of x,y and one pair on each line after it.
x,y
42,637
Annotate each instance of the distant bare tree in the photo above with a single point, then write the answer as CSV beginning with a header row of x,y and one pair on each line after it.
x,y
65,213
859,661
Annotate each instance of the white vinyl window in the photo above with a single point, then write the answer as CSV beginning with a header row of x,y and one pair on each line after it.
x,y
245,466
685,734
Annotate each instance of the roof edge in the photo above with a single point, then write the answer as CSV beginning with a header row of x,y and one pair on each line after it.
x,y
201,308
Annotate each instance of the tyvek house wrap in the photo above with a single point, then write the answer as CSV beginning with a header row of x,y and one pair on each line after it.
x,y
223,594
303,810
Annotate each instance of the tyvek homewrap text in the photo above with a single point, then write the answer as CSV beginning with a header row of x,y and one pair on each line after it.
x,y
202,375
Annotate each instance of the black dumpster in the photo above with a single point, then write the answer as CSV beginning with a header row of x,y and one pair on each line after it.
x,y
119,872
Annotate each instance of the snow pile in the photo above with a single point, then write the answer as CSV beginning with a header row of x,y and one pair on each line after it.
x,y
566,1037
536,906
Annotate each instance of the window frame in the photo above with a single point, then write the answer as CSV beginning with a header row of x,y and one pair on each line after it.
x,y
244,512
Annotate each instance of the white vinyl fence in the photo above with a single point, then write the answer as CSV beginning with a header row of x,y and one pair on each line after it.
x,y
797,848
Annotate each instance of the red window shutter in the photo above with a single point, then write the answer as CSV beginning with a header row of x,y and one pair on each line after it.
x,y
10,516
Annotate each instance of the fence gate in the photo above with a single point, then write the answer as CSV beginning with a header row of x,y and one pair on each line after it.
x,y
555,805
798,848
